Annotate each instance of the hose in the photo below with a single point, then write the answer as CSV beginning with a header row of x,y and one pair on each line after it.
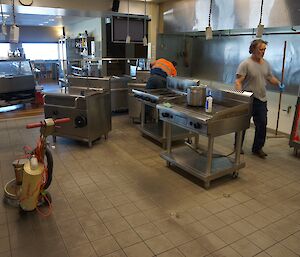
x,y
49,158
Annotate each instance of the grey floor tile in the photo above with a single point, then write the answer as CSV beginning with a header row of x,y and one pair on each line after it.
x,y
193,249
171,253
147,231
105,246
278,250
159,244
245,248
84,250
261,239
137,250
127,238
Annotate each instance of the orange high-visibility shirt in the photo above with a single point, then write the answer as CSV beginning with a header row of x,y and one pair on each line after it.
x,y
166,66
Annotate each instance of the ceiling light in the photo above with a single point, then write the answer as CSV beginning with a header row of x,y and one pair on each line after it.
x,y
3,27
14,34
145,40
208,30
14,29
128,36
260,27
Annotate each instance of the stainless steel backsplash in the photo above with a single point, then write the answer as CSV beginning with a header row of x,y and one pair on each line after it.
x,y
218,59
192,15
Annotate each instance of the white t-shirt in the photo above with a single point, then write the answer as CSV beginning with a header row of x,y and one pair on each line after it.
x,y
256,77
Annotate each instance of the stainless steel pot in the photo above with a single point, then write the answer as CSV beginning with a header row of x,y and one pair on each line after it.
x,y
196,95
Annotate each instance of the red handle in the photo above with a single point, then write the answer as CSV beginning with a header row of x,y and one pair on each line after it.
x,y
62,120
35,125
43,123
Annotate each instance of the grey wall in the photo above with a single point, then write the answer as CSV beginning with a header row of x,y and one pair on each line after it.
x,y
177,48
37,34
192,15
218,59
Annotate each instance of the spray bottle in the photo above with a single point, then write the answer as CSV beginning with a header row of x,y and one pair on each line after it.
x,y
209,102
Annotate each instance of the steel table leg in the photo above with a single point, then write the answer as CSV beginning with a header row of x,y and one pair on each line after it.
x,y
142,115
168,131
209,155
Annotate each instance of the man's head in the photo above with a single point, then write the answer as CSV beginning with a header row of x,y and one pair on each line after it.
x,y
257,48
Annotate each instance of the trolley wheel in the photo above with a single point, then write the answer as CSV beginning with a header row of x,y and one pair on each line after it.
x,y
43,200
206,184
235,175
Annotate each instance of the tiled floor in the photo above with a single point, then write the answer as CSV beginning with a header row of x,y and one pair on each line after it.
x,y
119,199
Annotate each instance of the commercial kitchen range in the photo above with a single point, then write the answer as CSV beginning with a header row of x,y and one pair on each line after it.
x,y
149,98
231,112
87,103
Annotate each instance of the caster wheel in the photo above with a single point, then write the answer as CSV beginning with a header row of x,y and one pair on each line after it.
x,y
43,200
206,184
235,175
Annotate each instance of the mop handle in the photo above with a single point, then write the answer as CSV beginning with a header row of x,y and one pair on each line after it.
x,y
42,123
281,82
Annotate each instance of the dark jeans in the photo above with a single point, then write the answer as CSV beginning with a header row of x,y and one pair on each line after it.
x,y
155,82
259,114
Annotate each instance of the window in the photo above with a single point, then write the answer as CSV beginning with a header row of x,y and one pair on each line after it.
x,y
4,47
41,51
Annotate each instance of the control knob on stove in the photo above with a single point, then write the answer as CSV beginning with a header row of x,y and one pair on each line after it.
x,y
197,125
165,114
153,101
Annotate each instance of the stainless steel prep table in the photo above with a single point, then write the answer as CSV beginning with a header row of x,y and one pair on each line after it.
x,y
231,113
149,98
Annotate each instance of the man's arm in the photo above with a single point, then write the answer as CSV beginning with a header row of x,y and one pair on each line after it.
x,y
274,81
238,82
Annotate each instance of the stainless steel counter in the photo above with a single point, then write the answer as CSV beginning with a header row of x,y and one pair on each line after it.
x,y
231,113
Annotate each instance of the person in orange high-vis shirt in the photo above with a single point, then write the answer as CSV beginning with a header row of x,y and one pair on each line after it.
x,y
160,69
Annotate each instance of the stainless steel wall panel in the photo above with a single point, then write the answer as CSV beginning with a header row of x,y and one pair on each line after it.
x,y
176,48
218,59
192,15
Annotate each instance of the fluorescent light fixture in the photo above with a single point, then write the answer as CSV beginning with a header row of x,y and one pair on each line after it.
x,y
260,27
128,39
208,33
260,30
171,11
14,34
11,108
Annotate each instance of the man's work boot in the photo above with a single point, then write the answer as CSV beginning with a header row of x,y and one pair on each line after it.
x,y
260,153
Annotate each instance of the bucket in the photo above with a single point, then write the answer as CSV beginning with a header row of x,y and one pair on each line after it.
x,y
19,169
30,190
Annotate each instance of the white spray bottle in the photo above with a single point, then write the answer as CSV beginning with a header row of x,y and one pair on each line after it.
x,y
209,102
